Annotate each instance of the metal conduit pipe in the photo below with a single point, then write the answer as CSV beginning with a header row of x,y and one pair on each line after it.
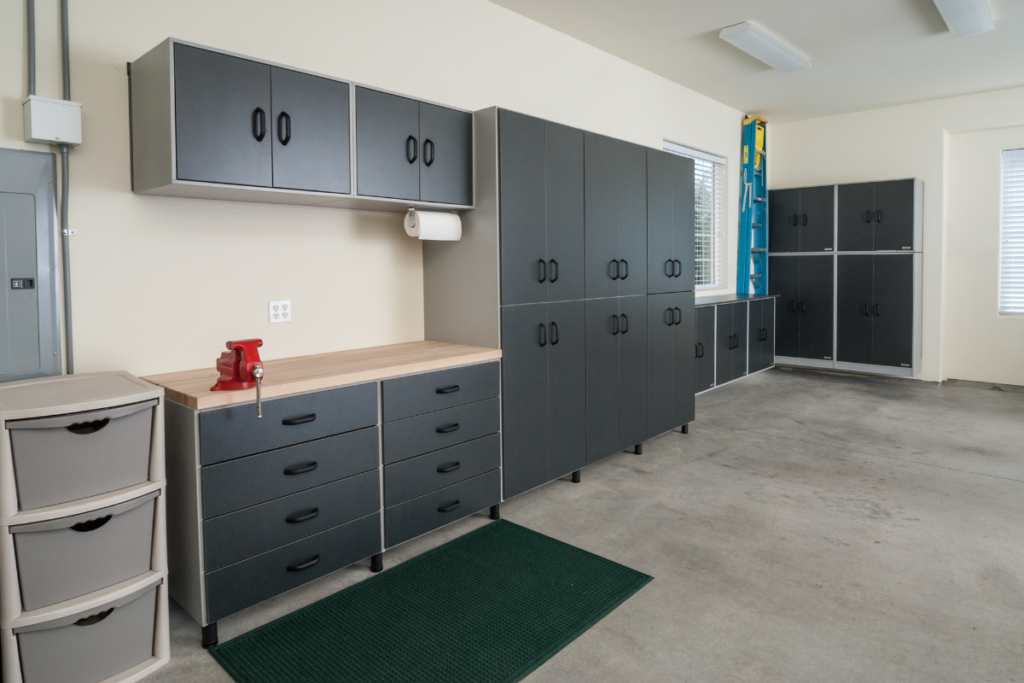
x,y
30,12
64,232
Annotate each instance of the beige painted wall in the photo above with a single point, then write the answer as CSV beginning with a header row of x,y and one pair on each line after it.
x,y
981,344
161,283
898,142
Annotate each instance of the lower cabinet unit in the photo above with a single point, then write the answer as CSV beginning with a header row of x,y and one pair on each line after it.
x,y
616,370
875,309
731,342
543,393
671,339
704,351
735,338
805,310
762,335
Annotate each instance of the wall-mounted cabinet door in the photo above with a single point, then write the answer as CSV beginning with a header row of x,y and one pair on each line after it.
x,y
222,117
740,345
563,202
387,145
854,299
567,392
857,217
730,337
894,215
632,371
892,323
524,258
446,155
670,222
671,363
603,328
784,281
817,218
816,306
784,220
755,332
310,129
704,351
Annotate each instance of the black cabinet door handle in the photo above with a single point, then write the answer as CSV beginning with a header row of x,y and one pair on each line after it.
x,y
625,264
696,350
868,218
678,316
284,128
94,619
450,506
448,390
796,220
865,309
878,310
83,428
542,270
878,216
292,421
411,149
302,516
542,335
625,323
669,317
615,324
554,333
615,263
91,524
448,429
311,562
428,152
804,220
670,267
301,469
259,124
450,467
803,306
679,268
791,306
554,270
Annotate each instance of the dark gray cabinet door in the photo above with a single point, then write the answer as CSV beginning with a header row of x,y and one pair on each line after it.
x,y
854,299
632,370
894,215
602,230
661,317
755,332
856,217
784,280
387,145
310,128
817,219
704,353
446,155
221,105
892,320
567,391
522,190
739,333
684,366
524,367
723,344
816,306
768,345
602,378
670,222
563,201
784,220
632,218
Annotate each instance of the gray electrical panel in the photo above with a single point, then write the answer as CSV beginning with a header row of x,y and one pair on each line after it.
x,y
29,323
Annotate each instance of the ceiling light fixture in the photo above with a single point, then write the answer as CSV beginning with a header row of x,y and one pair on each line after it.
x,y
966,17
758,42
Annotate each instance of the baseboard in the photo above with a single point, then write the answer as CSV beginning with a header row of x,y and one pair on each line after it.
x,y
859,375
993,386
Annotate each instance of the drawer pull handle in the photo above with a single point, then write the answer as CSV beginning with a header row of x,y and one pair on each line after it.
x,y
311,562
303,516
448,429
448,390
91,525
94,619
301,469
88,427
299,420
445,469
450,506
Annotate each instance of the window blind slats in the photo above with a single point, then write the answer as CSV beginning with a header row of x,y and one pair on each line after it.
x,y
1011,247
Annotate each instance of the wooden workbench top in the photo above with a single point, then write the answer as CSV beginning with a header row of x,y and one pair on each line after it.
x,y
191,388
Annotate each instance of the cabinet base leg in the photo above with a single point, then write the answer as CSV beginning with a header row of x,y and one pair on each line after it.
x,y
496,512
377,563
576,477
639,449
210,636
686,428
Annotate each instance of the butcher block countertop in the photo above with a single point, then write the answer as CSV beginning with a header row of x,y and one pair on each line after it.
x,y
191,388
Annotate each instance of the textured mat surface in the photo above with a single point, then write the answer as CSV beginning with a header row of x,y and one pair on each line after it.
x,y
490,606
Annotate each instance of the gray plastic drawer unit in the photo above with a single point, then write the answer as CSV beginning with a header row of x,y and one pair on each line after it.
x,y
69,457
69,557
92,646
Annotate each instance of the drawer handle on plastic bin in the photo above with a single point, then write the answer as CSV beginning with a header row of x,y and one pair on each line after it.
x,y
301,469
88,427
311,562
91,525
299,420
450,506
94,619
303,516
448,390
445,469
448,429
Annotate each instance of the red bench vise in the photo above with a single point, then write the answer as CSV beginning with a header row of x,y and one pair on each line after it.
x,y
240,367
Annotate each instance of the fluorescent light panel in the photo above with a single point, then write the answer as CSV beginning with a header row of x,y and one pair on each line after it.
x,y
758,42
966,17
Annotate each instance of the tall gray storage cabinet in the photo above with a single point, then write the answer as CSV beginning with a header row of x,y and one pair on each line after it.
x,y
571,233
83,560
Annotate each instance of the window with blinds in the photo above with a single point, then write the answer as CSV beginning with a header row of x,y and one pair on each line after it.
x,y
709,196
1011,247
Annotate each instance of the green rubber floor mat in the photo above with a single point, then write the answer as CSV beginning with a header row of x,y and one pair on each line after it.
x,y
488,607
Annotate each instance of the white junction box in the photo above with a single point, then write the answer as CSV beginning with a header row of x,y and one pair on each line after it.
x,y
52,122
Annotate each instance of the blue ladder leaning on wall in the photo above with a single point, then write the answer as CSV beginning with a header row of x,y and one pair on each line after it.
x,y
752,268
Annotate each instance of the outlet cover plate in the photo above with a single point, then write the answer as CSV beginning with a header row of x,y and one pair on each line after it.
x,y
280,312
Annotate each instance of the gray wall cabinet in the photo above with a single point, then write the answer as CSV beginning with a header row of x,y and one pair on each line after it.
x,y
761,334
875,309
731,342
671,338
805,310
735,338
882,216
802,219
670,223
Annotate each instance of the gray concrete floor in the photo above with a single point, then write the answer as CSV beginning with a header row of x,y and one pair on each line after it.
x,y
811,527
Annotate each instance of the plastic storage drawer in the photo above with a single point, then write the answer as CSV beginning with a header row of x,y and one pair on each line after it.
x,y
92,646
72,556
69,457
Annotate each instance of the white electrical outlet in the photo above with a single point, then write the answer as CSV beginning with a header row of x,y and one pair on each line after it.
x,y
280,312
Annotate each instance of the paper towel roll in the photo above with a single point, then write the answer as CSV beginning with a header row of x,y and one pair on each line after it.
x,y
445,226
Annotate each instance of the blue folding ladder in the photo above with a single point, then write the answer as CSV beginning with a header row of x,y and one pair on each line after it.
x,y
752,267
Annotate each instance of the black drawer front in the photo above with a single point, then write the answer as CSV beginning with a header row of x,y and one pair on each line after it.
x,y
246,533
244,584
409,396
234,432
256,479
417,476
434,510
434,431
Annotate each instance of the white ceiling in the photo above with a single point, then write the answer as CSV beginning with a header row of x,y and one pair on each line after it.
x,y
865,53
